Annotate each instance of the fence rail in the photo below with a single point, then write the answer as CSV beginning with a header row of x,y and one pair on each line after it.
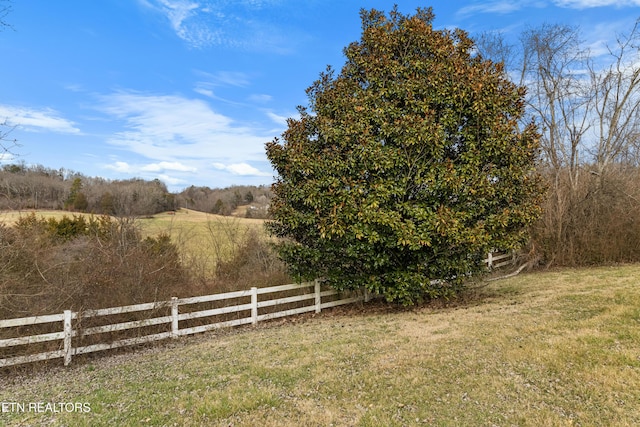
x,y
173,315
498,259
172,321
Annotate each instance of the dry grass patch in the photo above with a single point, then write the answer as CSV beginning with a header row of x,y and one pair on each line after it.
x,y
553,349
11,217
204,239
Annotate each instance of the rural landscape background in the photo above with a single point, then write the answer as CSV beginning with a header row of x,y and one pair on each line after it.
x,y
553,339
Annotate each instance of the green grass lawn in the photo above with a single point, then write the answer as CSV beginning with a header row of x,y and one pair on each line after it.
x,y
547,349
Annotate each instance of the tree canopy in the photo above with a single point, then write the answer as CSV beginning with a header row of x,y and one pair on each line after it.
x,y
407,166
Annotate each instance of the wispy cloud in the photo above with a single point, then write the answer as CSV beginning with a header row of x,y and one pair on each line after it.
x,y
502,7
120,167
7,158
167,166
150,171
174,131
205,23
260,98
183,17
242,169
210,81
278,119
498,6
225,78
37,120
586,4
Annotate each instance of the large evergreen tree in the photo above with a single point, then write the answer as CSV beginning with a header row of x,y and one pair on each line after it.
x,y
407,167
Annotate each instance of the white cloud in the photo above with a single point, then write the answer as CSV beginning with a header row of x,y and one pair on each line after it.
x,y
206,23
203,91
182,16
508,6
37,120
260,98
172,130
281,120
498,6
242,169
167,166
120,167
586,4
225,78
6,157
149,171
171,180
220,79
173,137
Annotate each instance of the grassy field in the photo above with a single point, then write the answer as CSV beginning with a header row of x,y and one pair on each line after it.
x,y
203,238
183,220
548,349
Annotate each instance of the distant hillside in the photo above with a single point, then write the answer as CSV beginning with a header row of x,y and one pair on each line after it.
x,y
244,201
39,187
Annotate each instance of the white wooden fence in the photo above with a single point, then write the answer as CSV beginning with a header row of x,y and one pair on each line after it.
x,y
252,309
70,322
497,259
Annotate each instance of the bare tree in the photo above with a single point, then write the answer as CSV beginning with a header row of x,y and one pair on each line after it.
x,y
554,66
616,97
588,108
7,144
5,9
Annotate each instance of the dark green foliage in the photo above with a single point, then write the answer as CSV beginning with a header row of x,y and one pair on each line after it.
x,y
67,228
408,166
218,207
73,194
248,198
107,205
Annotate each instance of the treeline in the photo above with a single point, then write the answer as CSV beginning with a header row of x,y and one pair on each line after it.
x,y
586,103
38,187
226,201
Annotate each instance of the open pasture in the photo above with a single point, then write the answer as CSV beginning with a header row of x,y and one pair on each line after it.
x,y
203,239
10,217
554,349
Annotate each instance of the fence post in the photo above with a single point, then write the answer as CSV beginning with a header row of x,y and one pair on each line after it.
x,y
318,296
68,333
490,260
174,317
254,306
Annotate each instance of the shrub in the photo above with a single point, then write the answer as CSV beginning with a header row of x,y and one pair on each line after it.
x,y
590,221
254,262
408,166
77,263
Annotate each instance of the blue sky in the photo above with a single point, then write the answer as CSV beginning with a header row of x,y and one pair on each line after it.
x,y
189,91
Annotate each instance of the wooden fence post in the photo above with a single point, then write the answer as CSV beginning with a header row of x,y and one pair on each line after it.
x,y
318,300
68,333
174,317
254,306
367,296
490,260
